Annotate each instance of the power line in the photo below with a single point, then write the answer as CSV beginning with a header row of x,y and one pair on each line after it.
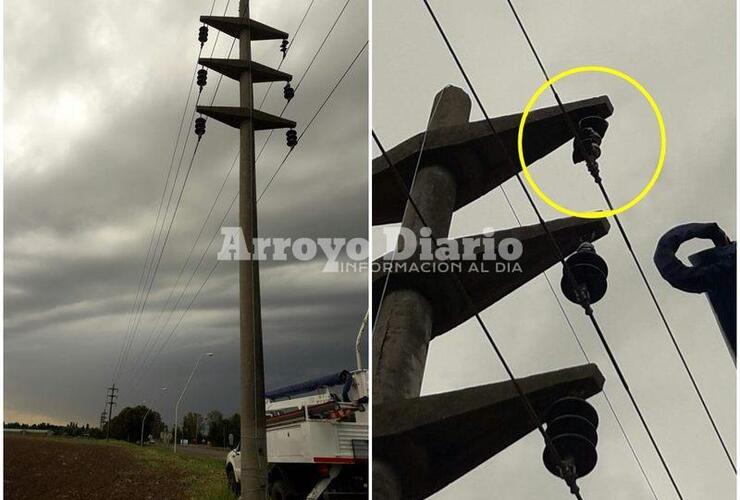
x,y
189,255
413,181
471,305
147,262
331,93
318,111
287,50
216,92
586,306
326,37
626,240
305,72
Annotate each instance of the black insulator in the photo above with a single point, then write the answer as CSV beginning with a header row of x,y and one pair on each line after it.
x,y
203,34
200,126
202,78
284,47
591,131
571,429
288,91
587,281
292,137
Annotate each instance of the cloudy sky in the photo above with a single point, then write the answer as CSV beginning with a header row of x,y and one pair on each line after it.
x,y
683,53
94,92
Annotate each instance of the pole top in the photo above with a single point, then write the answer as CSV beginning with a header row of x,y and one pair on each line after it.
x,y
451,106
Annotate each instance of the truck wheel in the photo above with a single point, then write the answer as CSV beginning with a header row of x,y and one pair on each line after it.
x,y
281,491
234,486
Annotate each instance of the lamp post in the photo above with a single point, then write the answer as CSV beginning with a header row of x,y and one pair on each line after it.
x,y
177,405
141,443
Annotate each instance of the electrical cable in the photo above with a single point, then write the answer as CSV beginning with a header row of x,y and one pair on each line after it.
x,y
302,77
471,305
413,181
287,50
331,93
587,308
311,121
625,238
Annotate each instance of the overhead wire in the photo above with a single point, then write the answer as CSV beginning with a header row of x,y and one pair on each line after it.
x,y
586,306
328,97
147,263
627,242
308,126
472,308
218,86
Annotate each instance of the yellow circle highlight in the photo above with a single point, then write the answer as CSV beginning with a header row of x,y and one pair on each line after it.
x,y
661,127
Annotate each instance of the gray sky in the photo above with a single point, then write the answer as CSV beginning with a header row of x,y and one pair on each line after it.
x,y
94,92
683,53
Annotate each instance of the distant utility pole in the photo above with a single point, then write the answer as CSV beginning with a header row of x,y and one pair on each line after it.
x,y
103,419
247,120
111,399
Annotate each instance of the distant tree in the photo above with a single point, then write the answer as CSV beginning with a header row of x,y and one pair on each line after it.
x,y
127,424
215,423
217,428
193,427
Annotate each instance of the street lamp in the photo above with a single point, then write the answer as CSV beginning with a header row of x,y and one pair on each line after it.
x,y
144,419
177,405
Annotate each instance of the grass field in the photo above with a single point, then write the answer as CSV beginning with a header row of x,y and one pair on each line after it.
x,y
44,467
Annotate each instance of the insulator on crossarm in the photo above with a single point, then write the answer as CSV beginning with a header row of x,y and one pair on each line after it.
x,y
203,35
284,47
202,78
200,127
584,280
591,131
571,429
292,137
288,92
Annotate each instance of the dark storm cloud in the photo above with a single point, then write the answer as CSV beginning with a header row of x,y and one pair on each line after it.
x,y
92,112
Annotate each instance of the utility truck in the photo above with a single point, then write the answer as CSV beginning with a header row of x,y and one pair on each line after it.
x,y
317,439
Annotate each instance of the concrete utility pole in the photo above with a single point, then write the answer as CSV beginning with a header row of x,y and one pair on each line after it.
x,y
422,444
112,395
247,120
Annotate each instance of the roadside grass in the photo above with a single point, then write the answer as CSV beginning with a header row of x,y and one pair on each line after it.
x,y
204,477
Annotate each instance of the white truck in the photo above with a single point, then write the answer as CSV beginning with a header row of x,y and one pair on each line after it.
x,y
317,440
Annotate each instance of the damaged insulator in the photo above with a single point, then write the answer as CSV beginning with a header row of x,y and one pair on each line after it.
x,y
571,428
200,126
288,92
284,47
202,78
203,35
587,281
591,131
292,137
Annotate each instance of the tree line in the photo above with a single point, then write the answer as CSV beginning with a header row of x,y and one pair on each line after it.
x,y
214,429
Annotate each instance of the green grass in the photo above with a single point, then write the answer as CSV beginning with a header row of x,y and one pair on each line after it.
x,y
204,477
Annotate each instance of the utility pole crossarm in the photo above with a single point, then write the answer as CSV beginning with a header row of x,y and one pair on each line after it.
x,y
235,116
233,26
233,68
